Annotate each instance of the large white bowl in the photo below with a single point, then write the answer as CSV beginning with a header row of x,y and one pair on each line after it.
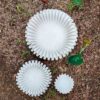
x,y
51,34
33,78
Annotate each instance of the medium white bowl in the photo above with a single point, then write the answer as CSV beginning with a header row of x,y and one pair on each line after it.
x,y
51,34
64,84
33,78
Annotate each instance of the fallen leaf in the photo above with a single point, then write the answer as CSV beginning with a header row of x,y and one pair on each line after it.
x,y
86,42
45,1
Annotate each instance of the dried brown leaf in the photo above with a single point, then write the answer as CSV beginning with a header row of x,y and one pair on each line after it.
x,y
45,1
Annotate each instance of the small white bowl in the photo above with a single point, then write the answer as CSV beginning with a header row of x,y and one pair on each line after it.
x,y
51,34
33,78
64,84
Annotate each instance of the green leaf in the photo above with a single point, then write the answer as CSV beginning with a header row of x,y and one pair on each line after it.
x,y
52,93
77,2
25,54
74,3
22,42
75,59
70,6
18,42
54,69
19,8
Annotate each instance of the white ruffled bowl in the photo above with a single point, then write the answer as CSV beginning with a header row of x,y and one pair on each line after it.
x,y
51,34
33,78
64,84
